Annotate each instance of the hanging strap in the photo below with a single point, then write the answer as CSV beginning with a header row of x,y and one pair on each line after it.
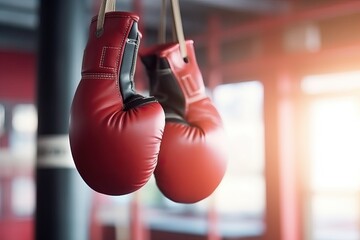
x,y
106,6
177,26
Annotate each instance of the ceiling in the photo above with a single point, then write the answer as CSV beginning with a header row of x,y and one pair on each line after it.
x,y
19,18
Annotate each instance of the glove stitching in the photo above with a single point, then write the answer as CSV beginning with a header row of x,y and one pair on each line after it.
x,y
114,15
102,58
98,76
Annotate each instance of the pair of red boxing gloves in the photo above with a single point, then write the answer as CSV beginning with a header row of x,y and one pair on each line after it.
x,y
119,138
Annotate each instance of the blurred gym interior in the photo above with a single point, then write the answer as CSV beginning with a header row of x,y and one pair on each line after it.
x,y
285,77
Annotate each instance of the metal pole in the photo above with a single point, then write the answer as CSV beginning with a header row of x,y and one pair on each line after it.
x,y
62,199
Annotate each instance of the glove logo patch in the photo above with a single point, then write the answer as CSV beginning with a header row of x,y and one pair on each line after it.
x,y
109,58
191,88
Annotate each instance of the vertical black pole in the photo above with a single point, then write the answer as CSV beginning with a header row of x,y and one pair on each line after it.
x,y
63,200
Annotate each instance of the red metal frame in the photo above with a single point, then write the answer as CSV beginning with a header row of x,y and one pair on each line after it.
x,y
340,8
337,58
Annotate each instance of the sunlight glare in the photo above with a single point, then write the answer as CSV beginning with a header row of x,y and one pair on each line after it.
x,y
335,137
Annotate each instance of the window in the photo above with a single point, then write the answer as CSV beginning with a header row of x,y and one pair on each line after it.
x,y
23,133
242,191
334,153
22,196
335,167
331,83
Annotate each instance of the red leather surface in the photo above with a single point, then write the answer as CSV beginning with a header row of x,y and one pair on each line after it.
x,y
193,157
115,151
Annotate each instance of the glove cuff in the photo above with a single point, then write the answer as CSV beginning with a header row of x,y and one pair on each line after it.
x,y
174,83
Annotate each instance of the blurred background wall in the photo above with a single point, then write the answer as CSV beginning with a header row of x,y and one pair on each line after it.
x,y
285,76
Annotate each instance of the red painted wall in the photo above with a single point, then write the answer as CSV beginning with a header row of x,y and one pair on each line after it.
x,y
17,76
16,229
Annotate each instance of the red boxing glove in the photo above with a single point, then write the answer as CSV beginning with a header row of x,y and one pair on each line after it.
x,y
115,133
192,159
